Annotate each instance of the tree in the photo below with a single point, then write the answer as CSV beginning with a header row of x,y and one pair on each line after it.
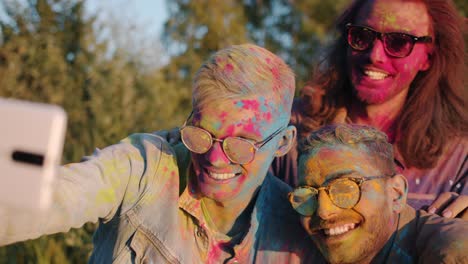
x,y
298,31
50,53
196,29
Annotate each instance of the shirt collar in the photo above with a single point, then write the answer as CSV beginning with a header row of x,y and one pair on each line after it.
x,y
190,202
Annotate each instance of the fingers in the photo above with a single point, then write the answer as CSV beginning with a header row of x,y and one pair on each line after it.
x,y
456,208
464,215
441,202
450,205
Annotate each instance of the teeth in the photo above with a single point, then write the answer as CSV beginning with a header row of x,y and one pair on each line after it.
x,y
222,176
376,75
338,230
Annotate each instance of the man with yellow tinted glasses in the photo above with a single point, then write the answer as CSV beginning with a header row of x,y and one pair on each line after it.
x,y
352,203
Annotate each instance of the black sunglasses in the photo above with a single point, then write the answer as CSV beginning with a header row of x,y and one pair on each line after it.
x,y
396,44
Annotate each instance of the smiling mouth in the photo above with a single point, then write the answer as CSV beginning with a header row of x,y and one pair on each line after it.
x,y
375,75
339,230
222,176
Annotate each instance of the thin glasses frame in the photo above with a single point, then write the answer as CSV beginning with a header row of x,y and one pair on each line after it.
x,y
255,145
315,191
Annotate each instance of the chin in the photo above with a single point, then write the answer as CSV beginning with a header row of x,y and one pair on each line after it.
x,y
371,96
345,254
217,193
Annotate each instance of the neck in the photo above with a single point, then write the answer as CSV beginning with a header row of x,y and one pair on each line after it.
x,y
382,116
383,255
230,217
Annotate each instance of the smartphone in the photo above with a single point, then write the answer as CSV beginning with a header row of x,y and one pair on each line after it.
x,y
31,144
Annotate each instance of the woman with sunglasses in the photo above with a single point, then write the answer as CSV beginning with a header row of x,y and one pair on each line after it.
x,y
398,66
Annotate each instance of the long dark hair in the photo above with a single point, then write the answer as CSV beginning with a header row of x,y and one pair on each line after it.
x,y
435,108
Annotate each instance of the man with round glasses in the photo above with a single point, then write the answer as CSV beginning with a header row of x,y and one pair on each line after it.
x,y
399,66
352,203
216,203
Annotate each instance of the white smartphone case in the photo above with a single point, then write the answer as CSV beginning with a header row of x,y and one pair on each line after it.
x,y
31,144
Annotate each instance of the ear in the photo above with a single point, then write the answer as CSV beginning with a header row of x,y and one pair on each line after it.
x,y
398,192
427,63
287,141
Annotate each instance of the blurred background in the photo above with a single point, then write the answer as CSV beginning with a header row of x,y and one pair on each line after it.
x,y
119,67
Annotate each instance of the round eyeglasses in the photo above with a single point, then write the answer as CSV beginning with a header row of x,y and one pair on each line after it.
x,y
238,150
343,192
396,44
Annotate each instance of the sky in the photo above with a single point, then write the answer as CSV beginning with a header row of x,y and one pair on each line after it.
x,y
134,25
150,12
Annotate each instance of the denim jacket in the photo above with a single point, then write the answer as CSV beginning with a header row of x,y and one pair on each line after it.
x,y
147,215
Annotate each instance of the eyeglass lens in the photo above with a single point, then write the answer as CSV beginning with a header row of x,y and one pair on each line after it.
x,y
395,44
344,193
198,140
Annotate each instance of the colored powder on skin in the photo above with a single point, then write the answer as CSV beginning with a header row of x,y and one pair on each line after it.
x,y
377,193
230,130
217,125
390,19
252,128
267,116
251,104
223,115
264,105
219,60
228,68
275,73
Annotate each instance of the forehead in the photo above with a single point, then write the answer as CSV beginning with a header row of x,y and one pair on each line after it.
x,y
409,16
252,115
335,161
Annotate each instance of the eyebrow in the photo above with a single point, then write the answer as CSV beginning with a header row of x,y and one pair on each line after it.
x,y
339,174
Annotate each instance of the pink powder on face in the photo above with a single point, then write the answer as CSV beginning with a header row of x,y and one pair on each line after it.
x,y
219,60
251,128
267,117
223,115
230,130
228,68
275,73
250,104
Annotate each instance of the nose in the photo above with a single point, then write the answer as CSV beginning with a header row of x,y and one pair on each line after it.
x,y
326,208
377,52
216,156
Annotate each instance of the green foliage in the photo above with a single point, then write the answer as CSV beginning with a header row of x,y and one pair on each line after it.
x,y
298,31
295,30
194,30
50,53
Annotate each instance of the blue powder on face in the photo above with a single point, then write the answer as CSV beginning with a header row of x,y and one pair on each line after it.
x,y
239,104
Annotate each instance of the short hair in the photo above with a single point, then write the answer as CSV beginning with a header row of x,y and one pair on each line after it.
x,y
365,138
243,70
